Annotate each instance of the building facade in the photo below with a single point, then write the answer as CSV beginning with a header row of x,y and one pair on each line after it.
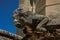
x,y
49,8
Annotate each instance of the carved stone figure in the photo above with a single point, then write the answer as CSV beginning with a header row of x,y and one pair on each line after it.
x,y
32,24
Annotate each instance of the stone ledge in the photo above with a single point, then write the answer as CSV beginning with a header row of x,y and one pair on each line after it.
x,y
9,35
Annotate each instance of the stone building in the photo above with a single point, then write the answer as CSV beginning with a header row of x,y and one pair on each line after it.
x,y
44,7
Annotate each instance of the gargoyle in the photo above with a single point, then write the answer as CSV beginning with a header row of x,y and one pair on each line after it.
x,y
33,24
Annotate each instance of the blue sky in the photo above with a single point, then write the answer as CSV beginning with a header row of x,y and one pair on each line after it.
x,y
6,9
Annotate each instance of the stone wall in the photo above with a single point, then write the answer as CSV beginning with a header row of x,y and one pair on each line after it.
x,y
53,10
40,7
25,4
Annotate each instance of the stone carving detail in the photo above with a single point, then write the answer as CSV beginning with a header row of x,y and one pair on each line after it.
x,y
35,26
4,35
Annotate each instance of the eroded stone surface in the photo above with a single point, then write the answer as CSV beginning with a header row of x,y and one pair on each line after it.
x,y
4,38
4,35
